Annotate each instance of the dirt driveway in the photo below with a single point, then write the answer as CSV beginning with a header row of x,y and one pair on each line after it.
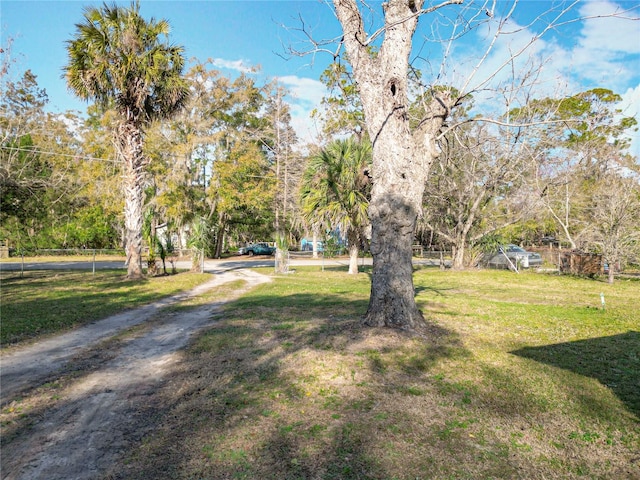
x,y
103,409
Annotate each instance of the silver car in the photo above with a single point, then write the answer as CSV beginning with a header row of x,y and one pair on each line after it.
x,y
509,255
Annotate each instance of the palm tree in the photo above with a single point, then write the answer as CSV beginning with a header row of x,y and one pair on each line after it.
x,y
118,60
335,191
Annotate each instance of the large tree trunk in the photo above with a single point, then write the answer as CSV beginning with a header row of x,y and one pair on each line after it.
x,y
460,242
129,146
611,276
457,256
281,260
401,157
282,250
392,302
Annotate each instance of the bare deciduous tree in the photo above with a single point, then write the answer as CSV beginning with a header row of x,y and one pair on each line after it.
x,y
573,152
476,187
615,230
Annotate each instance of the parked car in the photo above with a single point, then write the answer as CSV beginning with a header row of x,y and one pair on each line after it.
x,y
515,254
260,248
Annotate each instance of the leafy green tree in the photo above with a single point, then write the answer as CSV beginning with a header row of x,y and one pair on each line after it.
x,y
185,149
100,173
119,60
91,227
218,159
242,190
42,189
336,188
341,110
578,140
24,173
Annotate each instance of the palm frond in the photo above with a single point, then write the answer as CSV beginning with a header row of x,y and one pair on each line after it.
x,y
333,191
117,57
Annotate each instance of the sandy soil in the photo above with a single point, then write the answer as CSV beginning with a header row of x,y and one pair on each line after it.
x,y
105,407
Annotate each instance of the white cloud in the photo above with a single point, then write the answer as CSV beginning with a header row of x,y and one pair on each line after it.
x,y
238,65
307,90
72,122
613,34
607,47
597,52
305,94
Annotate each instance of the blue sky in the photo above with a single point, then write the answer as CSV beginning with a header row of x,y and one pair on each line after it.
x,y
241,34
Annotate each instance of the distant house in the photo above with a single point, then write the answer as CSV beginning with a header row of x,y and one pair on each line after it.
x,y
306,245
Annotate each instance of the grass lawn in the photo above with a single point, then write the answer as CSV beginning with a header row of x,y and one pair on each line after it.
x,y
521,377
51,301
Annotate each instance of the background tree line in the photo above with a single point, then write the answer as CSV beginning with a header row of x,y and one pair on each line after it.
x,y
228,159
222,165
556,169
225,161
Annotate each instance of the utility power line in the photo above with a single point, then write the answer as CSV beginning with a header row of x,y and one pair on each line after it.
x,y
44,152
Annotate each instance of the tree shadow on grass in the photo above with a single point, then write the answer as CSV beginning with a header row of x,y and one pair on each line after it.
x,y
440,292
295,374
614,361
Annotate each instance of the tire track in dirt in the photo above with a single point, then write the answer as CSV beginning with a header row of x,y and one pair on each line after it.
x,y
104,411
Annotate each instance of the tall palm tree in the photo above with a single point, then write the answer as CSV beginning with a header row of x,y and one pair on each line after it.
x,y
120,61
336,190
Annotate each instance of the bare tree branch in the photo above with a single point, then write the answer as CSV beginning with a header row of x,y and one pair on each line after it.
x,y
418,13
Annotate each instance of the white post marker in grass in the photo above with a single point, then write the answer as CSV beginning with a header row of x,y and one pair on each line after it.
x,y
602,299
